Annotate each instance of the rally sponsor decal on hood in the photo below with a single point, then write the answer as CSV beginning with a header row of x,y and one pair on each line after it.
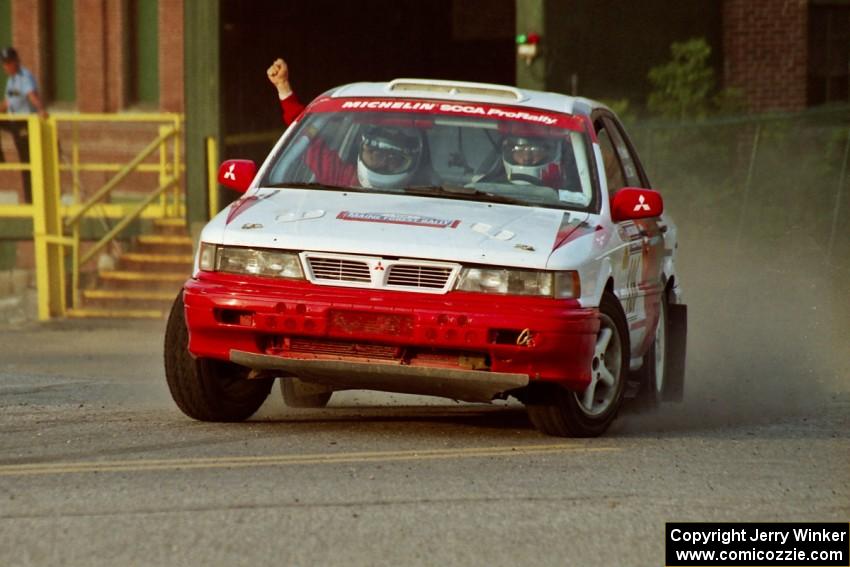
x,y
397,218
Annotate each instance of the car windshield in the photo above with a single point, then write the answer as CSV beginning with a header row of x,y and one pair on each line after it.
x,y
468,151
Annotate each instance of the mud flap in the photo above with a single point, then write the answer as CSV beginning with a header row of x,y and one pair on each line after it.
x,y
677,339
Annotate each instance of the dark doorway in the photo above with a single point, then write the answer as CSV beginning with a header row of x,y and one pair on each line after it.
x,y
328,43
829,53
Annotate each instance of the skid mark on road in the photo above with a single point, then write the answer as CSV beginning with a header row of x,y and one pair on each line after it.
x,y
224,462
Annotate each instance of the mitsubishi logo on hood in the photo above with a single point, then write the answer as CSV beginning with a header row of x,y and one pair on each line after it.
x,y
379,267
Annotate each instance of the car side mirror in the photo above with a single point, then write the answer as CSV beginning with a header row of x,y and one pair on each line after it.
x,y
237,174
632,203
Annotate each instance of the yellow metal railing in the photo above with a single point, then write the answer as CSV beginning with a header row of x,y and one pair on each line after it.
x,y
57,220
212,176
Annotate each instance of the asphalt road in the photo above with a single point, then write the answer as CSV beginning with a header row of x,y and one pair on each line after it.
x,y
98,467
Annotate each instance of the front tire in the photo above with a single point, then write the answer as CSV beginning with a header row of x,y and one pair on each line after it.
x,y
589,413
206,389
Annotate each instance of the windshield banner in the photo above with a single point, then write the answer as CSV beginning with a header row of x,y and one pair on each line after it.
x,y
472,109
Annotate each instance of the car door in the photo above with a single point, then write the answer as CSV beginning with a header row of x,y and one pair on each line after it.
x,y
638,272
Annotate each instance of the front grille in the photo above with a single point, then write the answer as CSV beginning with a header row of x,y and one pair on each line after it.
x,y
408,275
400,274
337,269
338,348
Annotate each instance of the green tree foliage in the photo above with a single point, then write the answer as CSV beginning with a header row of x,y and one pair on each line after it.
x,y
684,85
739,180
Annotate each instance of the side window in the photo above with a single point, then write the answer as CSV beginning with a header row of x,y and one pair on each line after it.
x,y
613,168
629,165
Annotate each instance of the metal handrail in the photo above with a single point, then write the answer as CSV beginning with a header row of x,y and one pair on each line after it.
x,y
212,178
116,117
107,188
123,223
57,225
166,182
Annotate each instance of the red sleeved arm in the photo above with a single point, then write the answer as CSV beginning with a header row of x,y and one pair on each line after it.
x,y
327,166
324,162
291,108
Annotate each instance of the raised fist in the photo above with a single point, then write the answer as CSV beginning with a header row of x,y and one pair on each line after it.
x,y
278,74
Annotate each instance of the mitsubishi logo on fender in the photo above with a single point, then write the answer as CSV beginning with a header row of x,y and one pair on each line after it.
x,y
229,174
380,267
641,206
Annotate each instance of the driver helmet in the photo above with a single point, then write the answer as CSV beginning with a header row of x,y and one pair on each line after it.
x,y
389,156
530,157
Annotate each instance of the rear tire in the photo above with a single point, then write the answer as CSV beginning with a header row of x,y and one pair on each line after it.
x,y
207,389
295,394
564,413
669,362
654,373
677,345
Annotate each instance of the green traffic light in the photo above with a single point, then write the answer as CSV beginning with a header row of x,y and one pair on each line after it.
x,y
521,39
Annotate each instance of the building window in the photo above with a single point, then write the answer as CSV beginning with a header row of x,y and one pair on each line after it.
x,y
62,83
829,52
5,22
143,52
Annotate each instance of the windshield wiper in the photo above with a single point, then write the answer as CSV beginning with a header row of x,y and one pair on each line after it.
x,y
470,193
313,185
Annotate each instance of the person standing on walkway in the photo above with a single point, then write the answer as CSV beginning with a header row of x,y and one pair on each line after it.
x,y
20,97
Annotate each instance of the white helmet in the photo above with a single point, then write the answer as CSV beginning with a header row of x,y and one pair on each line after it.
x,y
389,157
531,159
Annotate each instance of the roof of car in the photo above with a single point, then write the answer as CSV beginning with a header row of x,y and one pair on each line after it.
x,y
469,92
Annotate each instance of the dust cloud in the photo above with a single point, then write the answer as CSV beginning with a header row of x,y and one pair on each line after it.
x,y
769,329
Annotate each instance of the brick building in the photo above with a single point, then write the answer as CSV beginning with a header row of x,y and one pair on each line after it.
x,y
782,54
101,55
94,56
787,54
206,58
116,55
154,55
98,56
764,52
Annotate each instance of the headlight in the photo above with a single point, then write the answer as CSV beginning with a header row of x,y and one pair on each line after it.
x,y
252,261
563,285
206,257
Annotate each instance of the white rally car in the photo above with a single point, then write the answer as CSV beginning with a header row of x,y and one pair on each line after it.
x,y
463,240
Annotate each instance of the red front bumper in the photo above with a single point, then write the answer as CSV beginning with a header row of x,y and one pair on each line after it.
x,y
298,319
